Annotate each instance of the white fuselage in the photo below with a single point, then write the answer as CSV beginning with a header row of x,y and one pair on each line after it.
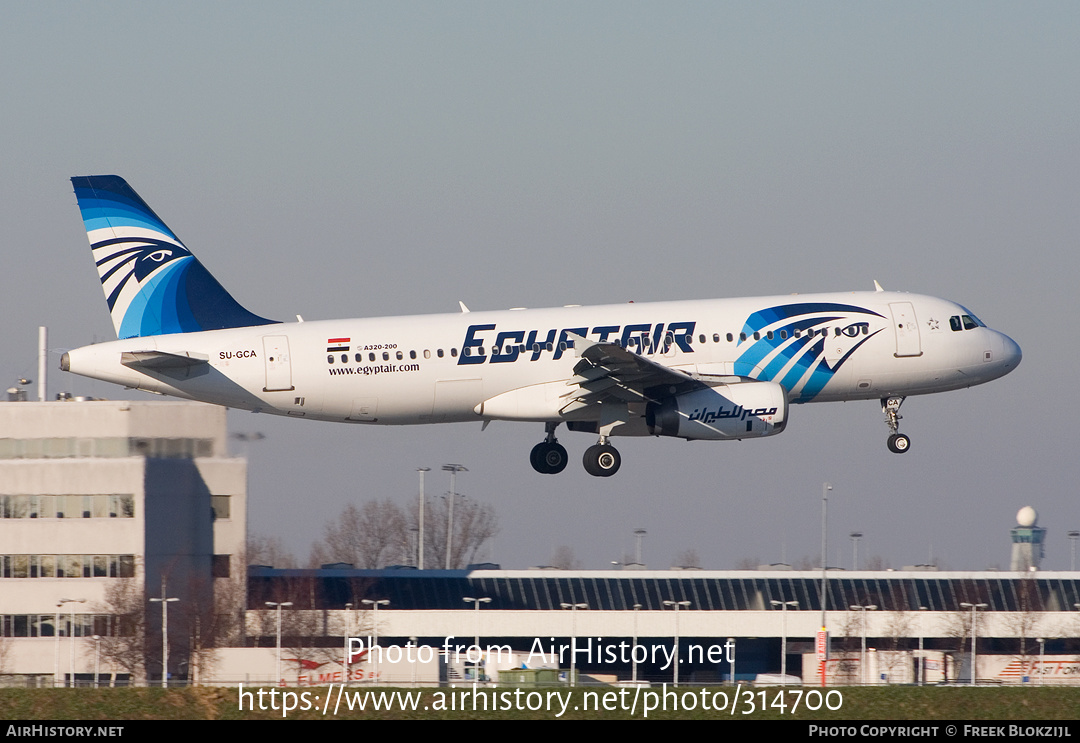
x,y
518,364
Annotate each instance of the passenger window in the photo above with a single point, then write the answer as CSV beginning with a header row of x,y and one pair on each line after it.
x,y
716,337
730,338
359,358
329,359
742,336
466,351
836,332
399,355
769,335
439,353
701,338
385,355
412,354
757,336
797,332
427,354
453,352
783,335
344,358
371,356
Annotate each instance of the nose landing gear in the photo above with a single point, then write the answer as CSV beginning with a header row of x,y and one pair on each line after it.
x,y
897,442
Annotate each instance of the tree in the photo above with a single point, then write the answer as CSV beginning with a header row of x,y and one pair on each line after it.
x,y
370,537
264,550
123,641
474,524
688,559
564,558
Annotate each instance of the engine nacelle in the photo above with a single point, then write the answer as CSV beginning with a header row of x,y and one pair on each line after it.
x,y
731,411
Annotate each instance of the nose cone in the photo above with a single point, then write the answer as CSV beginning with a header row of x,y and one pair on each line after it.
x,y
1010,355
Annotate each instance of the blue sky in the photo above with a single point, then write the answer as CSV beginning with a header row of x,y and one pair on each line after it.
x,y
357,159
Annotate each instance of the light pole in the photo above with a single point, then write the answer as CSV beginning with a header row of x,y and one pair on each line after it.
x,y
453,469
573,637
279,605
783,636
974,657
164,601
823,634
1073,536
922,658
378,657
731,644
476,639
345,650
97,659
862,661
420,520
1042,651
56,644
633,648
855,537
676,605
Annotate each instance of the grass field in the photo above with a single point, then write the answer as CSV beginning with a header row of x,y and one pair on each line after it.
x,y
886,703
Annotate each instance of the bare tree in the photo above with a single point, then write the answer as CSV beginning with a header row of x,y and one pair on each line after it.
x,y
123,641
564,558
474,524
371,536
688,559
264,550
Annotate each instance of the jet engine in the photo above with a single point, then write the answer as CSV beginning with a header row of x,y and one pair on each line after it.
x,y
732,411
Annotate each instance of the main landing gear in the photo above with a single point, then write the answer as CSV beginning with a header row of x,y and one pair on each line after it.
x,y
897,442
550,458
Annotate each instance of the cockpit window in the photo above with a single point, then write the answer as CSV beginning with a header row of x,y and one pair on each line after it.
x,y
965,322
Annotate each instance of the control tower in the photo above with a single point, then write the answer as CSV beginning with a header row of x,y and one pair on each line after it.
x,y
1027,541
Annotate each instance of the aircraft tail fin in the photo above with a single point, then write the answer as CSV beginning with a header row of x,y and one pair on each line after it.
x,y
153,284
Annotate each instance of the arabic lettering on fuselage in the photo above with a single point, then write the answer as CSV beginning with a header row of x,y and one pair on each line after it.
x,y
512,345
737,412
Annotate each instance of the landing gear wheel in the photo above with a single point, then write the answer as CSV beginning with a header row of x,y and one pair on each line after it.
x,y
899,443
602,460
549,458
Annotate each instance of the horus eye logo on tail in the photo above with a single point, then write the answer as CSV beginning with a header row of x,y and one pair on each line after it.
x,y
152,283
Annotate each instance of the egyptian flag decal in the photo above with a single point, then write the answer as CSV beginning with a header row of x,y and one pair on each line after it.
x,y
337,344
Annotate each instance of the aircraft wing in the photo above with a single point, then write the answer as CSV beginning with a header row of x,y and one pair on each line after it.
x,y
607,372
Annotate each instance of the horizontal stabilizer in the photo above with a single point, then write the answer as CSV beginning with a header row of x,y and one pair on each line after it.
x,y
163,359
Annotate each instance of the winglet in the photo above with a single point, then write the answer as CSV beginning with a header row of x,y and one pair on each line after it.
x,y
463,307
877,286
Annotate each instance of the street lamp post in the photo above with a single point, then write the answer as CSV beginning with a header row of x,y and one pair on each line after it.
x,y
1073,536
974,656
164,601
453,469
676,605
825,488
420,520
633,648
783,636
1042,651
573,637
345,650
56,644
922,658
279,606
476,639
378,657
862,660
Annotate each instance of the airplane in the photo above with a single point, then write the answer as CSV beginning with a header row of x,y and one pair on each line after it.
x,y
716,369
